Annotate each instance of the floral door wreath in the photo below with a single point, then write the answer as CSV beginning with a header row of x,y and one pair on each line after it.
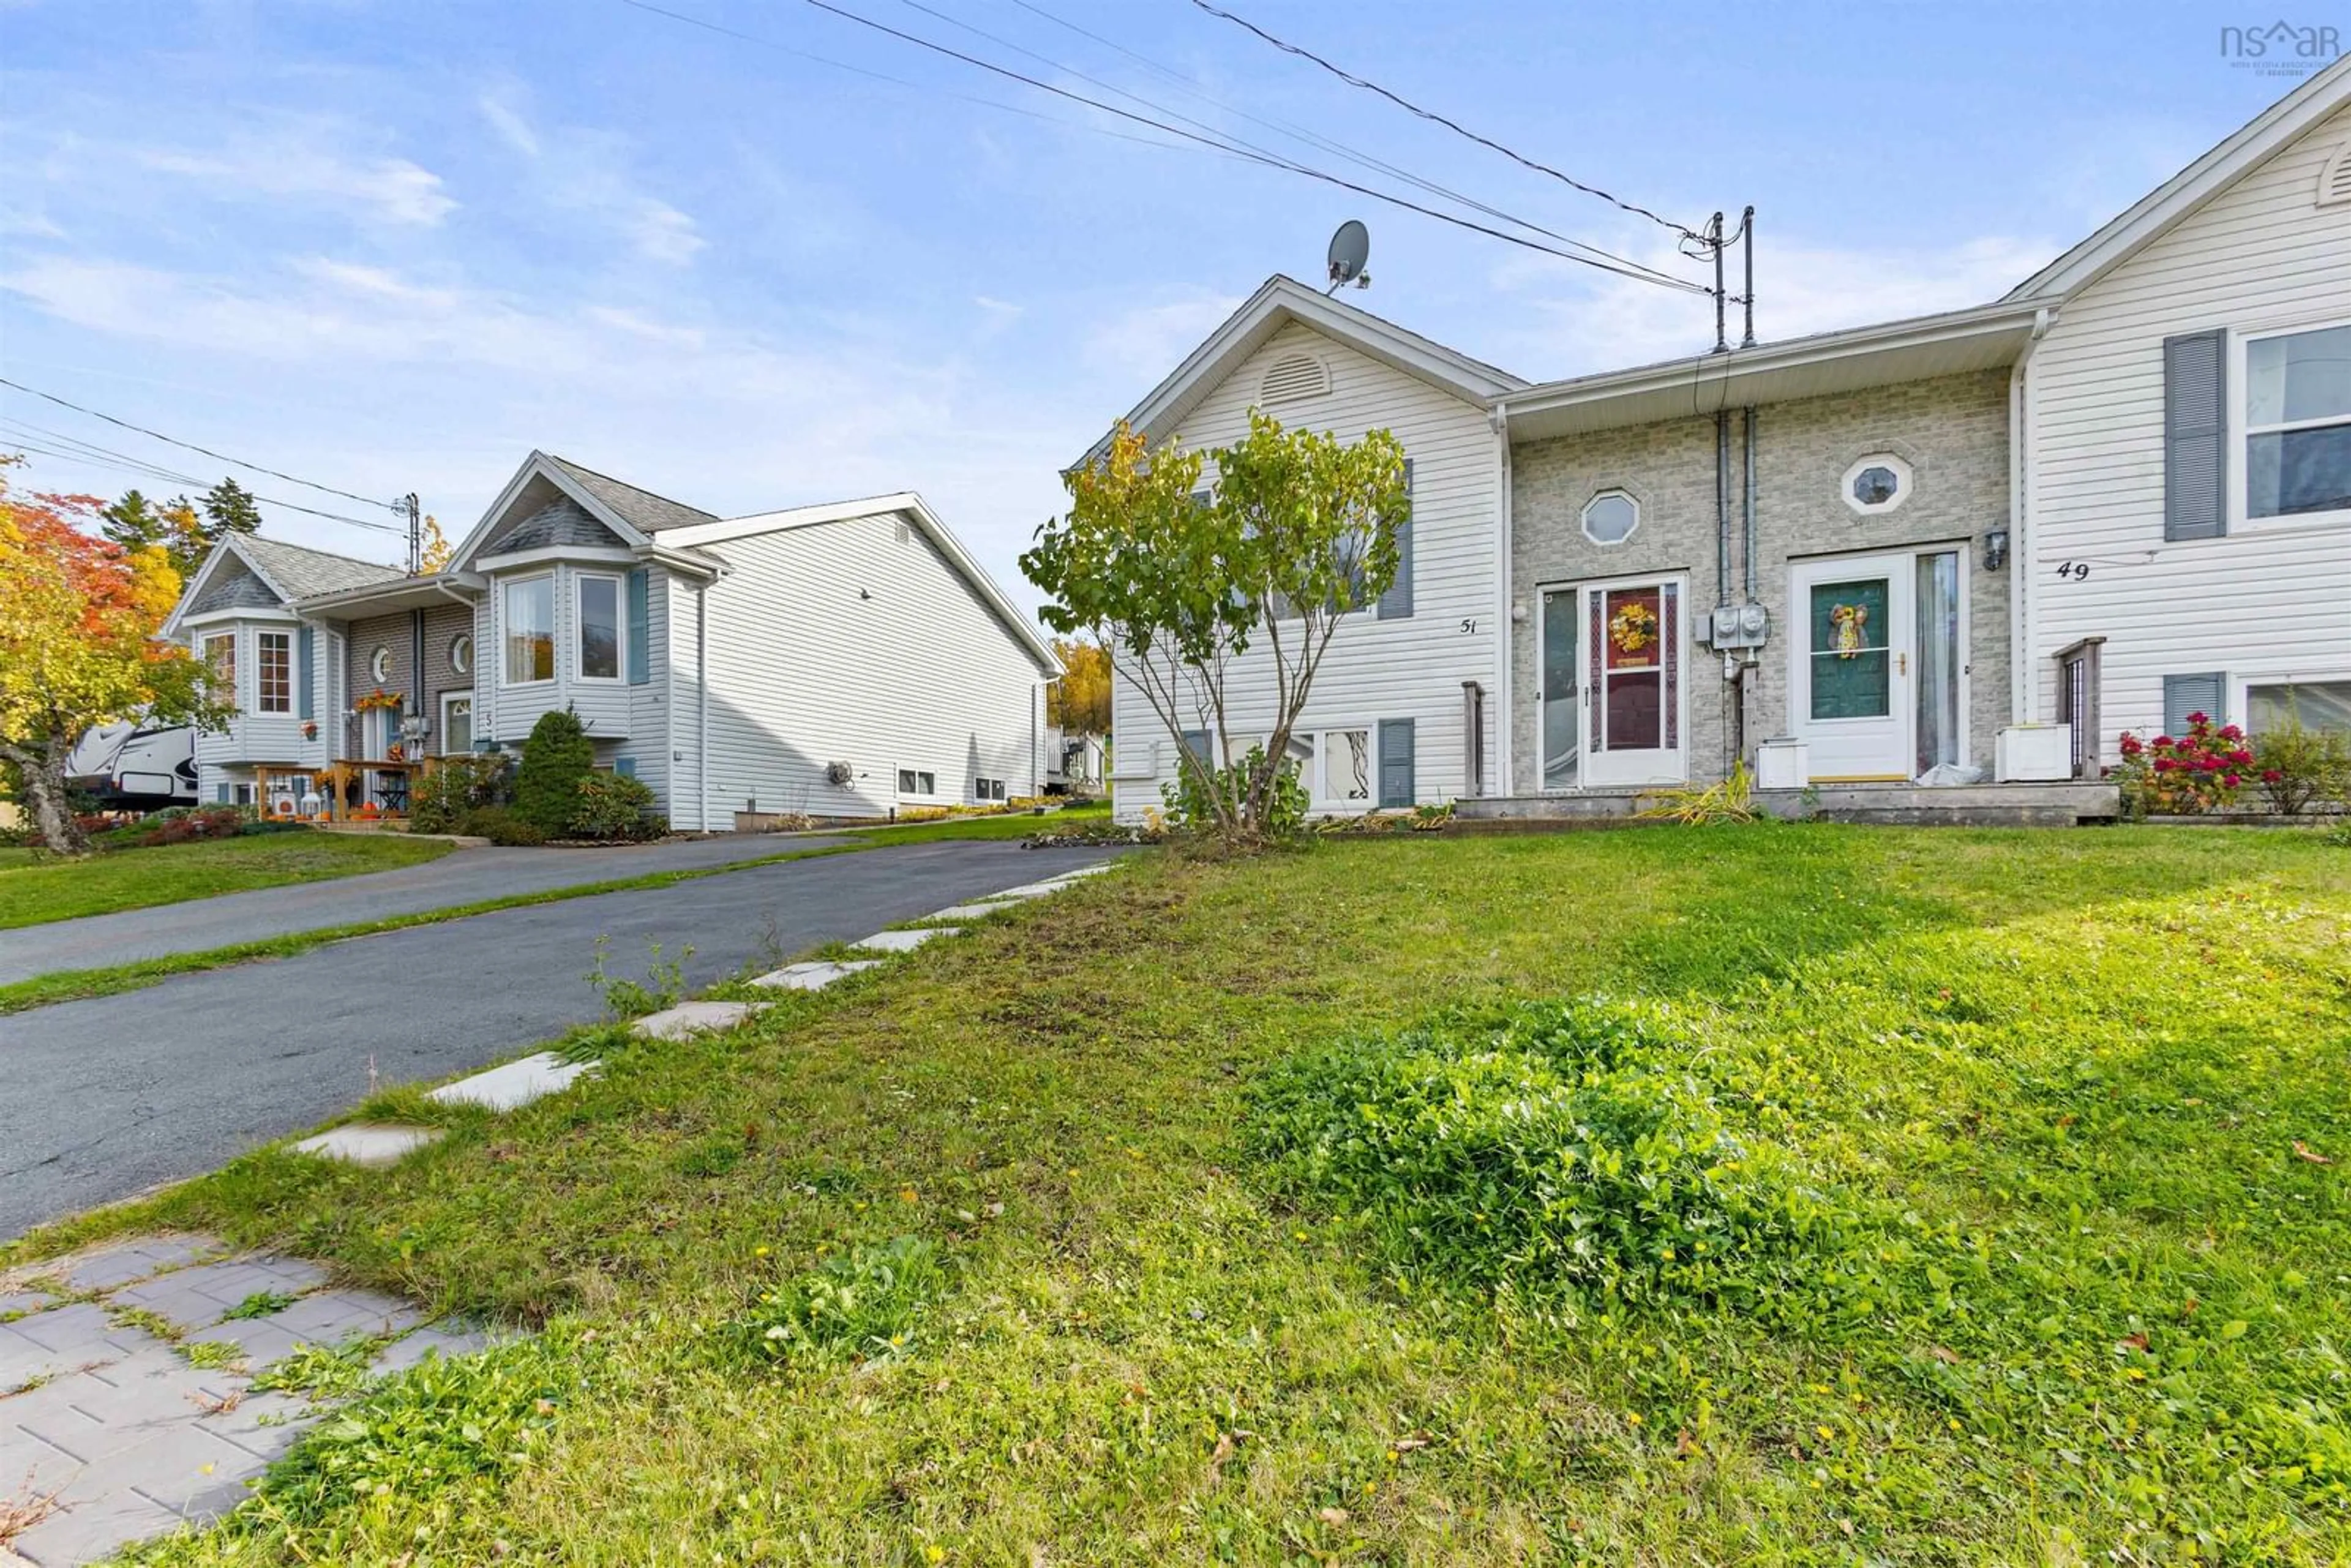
x,y
1633,628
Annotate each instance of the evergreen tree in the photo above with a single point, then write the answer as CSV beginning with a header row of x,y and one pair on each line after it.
x,y
555,757
229,504
131,523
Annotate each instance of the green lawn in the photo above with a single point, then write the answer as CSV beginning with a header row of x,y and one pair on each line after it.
x,y
1869,1195
34,891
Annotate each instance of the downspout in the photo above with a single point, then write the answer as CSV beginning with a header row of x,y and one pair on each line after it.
x,y
1721,507
441,585
1747,563
1502,711
702,707
2023,680
416,664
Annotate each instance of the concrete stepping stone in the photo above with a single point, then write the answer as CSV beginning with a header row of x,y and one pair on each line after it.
x,y
120,1263
369,1144
201,1296
980,911
64,1339
691,1019
815,975
1025,889
447,1340
1095,870
12,1302
905,941
515,1085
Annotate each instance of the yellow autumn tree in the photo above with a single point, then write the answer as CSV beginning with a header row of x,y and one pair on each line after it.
x,y
78,648
436,546
1078,703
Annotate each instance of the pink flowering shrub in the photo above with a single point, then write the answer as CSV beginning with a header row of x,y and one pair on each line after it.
x,y
2180,775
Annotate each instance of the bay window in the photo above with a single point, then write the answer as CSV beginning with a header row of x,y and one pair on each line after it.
x,y
273,667
2297,422
527,613
599,604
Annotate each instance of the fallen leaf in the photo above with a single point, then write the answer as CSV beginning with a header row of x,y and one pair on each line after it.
x,y
2302,1151
1944,1354
2137,1341
1334,1516
1227,1444
1406,1444
1686,1445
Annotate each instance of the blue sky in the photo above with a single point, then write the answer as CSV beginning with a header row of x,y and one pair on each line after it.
x,y
395,246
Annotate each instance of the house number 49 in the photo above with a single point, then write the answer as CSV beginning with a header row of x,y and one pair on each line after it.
x,y
2073,570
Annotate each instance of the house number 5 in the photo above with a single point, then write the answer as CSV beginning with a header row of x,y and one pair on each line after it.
x,y
1468,627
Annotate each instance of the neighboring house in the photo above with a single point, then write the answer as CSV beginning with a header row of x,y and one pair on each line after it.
x,y
2185,494
1630,580
843,660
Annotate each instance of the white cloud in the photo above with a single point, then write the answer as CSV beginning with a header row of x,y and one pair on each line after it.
x,y
1576,322
660,232
1149,339
511,127
294,167
651,330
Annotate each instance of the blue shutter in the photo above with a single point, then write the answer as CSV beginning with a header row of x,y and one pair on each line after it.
x,y
306,656
220,793
626,766
2183,695
1396,763
1396,602
2195,436
639,620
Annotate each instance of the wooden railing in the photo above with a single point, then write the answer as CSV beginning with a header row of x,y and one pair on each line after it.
x,y
386,789
2078,701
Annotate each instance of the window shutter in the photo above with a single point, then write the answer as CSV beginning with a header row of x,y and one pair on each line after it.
x,y
626,766
306,664
1396,602
2184,695
1396,763
2195,435
640,618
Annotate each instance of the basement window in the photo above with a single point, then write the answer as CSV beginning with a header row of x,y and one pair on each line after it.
x,y
914,782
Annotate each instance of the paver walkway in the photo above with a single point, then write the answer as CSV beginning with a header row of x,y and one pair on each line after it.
x,y
456,879
110,1434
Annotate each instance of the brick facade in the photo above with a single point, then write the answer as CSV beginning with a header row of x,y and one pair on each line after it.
x,y
395,635
1952,432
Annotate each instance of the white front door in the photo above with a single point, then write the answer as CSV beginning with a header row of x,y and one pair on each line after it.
x,y
1851,697
1634,729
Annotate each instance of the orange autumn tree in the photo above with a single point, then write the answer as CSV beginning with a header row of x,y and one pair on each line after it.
x,y
78,648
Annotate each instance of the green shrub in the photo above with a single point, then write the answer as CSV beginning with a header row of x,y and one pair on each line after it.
x,y
555,760
1554,1150
2299,768
861,1304
454,788
1191,807
612,806
501,826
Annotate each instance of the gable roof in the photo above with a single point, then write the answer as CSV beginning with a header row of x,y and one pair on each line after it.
x,y
562,521
286,571
641,509
1278,303
2155,213
904,503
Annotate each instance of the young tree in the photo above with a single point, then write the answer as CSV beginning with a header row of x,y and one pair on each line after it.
x,y
230,506
1080,701
183,537
1178,584
78,648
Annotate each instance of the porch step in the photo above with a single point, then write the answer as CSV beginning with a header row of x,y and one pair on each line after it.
x,y
1887,805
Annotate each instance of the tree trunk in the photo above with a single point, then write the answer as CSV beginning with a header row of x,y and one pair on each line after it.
x,y
46,802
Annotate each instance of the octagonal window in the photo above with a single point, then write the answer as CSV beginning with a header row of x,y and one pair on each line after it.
x,y
1610,517
1878,483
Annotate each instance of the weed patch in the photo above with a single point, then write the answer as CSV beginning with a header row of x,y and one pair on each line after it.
x,y
861,1304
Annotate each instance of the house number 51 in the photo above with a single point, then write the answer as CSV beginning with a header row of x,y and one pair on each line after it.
x,y
1468,627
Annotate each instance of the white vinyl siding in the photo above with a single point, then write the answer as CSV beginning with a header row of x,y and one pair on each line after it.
x,y
806,670
254,735
603,705
2266,601
1392,668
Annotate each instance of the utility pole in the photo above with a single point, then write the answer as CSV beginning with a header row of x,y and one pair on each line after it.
x,y
1714,243
1747,241
410,504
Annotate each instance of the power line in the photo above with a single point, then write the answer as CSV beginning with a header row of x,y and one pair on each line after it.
x,y
1282,126
77,449
1353,81
1613,264
218,456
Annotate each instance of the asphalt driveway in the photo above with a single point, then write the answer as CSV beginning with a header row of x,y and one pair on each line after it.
x,y
456,879
104,1098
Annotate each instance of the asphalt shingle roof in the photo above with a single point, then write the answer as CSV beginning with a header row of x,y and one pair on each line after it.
x,y
641,509
302,572
560,522
232,588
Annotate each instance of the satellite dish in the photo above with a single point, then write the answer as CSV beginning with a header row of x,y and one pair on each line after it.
x,y
1351,247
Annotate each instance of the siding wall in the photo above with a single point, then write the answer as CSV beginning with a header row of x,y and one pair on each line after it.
x,y
2267,602
804,672
1409,667
1952,431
